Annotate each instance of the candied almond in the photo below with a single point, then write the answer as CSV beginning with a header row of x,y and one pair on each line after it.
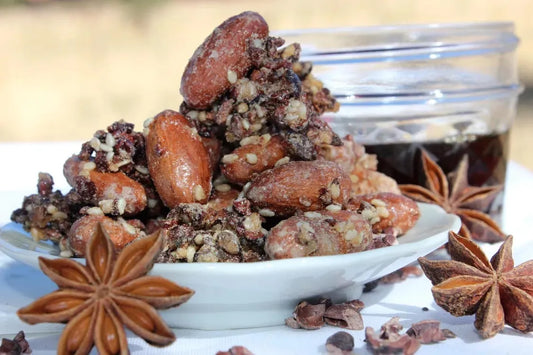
x,y
386,210
178,160
299,186
250,159
120,232
128,195
221,59
318,233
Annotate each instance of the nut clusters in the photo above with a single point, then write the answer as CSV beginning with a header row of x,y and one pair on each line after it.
x,y
245,171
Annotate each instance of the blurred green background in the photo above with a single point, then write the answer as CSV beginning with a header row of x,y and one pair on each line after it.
x,y
68,68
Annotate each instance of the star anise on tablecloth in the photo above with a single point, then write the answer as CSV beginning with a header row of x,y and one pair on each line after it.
x,y
496,292
110,292
464,200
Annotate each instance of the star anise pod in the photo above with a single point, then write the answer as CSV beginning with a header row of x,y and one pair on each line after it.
x,y
496,292
464,200
110,292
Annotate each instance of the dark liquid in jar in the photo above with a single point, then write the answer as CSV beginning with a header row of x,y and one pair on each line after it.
x,y
487,158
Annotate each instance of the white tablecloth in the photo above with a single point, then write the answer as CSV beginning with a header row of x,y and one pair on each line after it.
x,y
21,284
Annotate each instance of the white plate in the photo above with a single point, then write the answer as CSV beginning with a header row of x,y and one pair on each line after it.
x,y
265,293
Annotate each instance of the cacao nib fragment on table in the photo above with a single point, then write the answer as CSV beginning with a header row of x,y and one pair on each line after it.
x,y
428,331
389,340
340,343
345,315
16,346
315,315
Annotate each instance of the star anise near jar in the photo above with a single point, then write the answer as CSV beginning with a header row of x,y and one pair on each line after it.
x,y
464,200
98,299
495,291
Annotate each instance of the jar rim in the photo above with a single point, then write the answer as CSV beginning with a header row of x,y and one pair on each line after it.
x,y
506,26
336,45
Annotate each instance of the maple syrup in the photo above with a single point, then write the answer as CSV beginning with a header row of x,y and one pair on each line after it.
x,y
487,160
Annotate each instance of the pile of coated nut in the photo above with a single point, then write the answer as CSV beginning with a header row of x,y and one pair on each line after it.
x,y
245,171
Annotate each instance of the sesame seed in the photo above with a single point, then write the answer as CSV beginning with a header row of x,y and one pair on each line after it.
x,y
198,193
152,203
242,107
334,190
221,179
250,140
89,166
199,239
66,254
223,187
142,169
192,114
121,205
232,76
110,140
106,205
377,202
229,158
94,211
265,212
333,207
304,201
282,161
202,116
59,215
382,212
251,158
191,250
261,112
95,143
147,122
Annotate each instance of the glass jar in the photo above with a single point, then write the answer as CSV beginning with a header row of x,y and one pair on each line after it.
x,y
450,89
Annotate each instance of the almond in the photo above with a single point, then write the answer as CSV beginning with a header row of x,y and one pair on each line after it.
x,y
386,210
177,159
299,186
319,233
120,232
221,59
252,159
119,193
369,181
